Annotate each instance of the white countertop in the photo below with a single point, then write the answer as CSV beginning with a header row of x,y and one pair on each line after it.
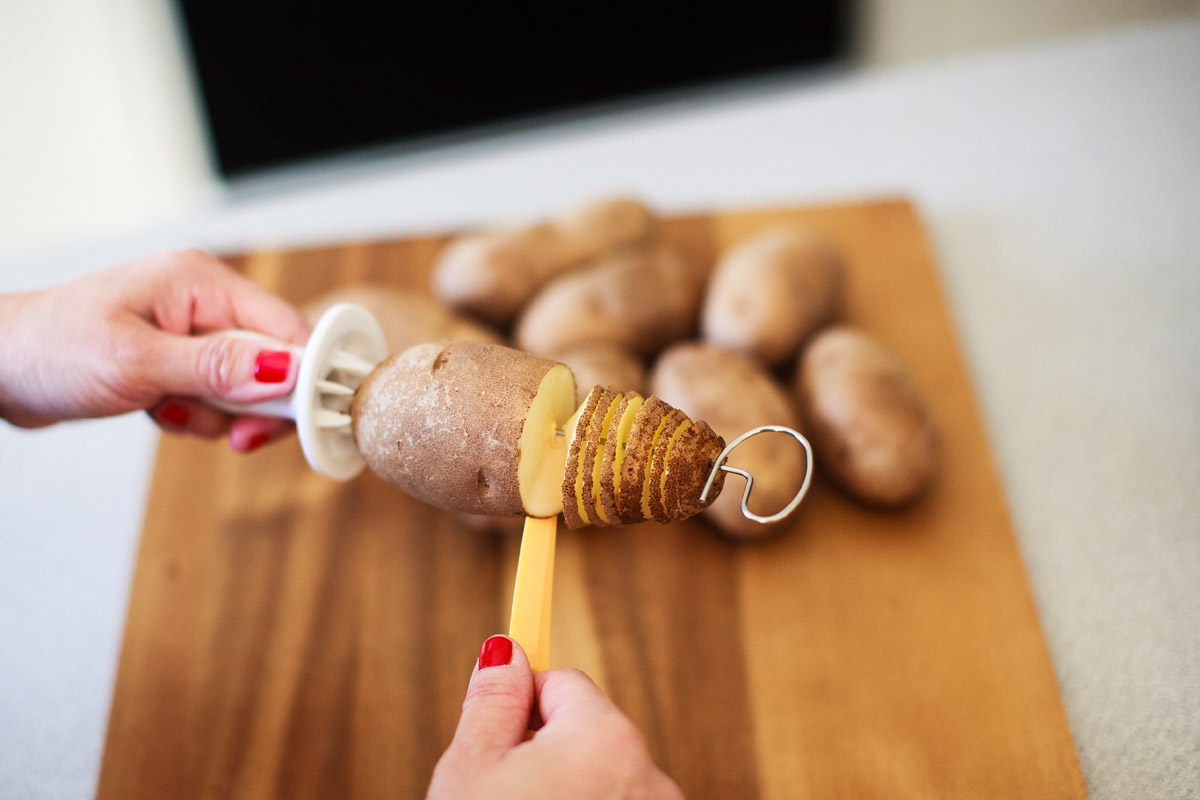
x,y
1061,187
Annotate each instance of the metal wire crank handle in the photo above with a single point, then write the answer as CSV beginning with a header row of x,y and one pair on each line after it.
x,y
721,465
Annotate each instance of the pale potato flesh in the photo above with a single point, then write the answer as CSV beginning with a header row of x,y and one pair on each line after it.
x,y
542,451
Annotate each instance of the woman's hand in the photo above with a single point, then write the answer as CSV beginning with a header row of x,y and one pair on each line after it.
x,y
125,339
584,748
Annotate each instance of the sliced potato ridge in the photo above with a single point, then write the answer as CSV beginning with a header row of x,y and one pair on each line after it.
x,y
598,437
633,458
689,463
614,453
665,514
574,513
632,474
669,422
658,466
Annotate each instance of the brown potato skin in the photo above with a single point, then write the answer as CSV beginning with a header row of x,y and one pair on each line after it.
x,y
406,316
734,393
577,447
491,274
603,364
442,421
870,428
635,468
772,291
658,465
590,230
640,298
409,317
687,470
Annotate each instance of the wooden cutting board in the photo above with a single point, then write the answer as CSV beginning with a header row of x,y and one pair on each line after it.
x,y
289,636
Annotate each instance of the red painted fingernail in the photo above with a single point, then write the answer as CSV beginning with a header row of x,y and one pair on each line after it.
x,y
496,652
257,441
173,415
271,366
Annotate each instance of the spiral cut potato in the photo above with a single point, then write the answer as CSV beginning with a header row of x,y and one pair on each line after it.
x,y
634,458
480,428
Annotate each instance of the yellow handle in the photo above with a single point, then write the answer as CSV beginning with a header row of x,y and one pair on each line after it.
x,y
530,624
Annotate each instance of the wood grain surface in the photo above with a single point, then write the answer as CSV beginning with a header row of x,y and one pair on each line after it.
x,y
289,636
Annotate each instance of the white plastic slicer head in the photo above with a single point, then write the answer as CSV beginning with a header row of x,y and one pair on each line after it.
x,y
346,344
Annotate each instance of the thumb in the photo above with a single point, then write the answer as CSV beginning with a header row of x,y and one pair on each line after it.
x,y
499,698
236,368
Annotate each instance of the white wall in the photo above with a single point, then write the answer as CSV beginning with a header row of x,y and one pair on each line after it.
x,y
99,128
897,31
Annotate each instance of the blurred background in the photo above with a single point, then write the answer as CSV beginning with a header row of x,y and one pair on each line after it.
x,y
120,115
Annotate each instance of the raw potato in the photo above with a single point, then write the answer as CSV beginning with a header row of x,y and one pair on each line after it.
x,y
591,230
603,364
640,298
734,393
468,426
632,459
772,291
870,428
492,274
407,317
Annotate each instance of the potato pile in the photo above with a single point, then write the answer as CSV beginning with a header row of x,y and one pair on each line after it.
x,y
753,339
493,273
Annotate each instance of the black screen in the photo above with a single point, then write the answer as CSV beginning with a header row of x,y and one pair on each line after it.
x,y
286,82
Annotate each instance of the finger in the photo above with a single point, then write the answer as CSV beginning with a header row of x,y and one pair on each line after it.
x,y
499,698
185,415
248,434
256,309
567,697
218,367
585,734
213,297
